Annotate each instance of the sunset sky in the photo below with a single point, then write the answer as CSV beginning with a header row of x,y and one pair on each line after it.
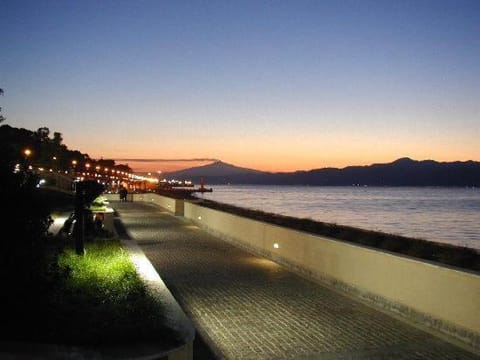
x,y
271,85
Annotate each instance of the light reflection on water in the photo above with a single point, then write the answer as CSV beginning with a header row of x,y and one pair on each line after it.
x,y
450,215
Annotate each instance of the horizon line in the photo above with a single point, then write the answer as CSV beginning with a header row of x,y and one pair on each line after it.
x,y
167,160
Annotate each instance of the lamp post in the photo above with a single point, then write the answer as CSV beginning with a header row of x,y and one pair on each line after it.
x,y
27,152
74,167
80,218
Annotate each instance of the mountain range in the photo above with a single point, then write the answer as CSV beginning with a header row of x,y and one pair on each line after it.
x,y
401,172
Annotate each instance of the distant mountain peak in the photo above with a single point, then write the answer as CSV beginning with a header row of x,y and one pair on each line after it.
x,y
401,172
217,168
404,160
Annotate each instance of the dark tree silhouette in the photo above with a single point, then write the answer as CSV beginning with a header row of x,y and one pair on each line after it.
x,y
2,118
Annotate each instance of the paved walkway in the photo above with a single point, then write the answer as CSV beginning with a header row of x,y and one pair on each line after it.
x,y
248,307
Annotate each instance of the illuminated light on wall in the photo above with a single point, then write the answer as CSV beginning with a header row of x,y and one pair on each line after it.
x,y
199,218
276,246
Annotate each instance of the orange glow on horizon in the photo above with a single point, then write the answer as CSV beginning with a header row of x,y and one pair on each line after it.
x,y
275,165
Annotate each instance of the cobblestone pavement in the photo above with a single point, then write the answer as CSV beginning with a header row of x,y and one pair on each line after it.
x,y
248,307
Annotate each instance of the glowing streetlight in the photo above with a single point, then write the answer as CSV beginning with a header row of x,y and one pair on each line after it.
x,y
27,152
74,166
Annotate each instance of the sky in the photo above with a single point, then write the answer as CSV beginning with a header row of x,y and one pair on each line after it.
x,y
270,85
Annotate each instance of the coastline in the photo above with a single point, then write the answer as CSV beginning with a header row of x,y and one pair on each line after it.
x,y
445,215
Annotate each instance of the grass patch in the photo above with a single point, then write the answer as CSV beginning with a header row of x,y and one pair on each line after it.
x,y
103,300
99,204
96,299
51,295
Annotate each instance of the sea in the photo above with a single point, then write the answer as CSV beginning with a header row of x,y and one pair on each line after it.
x,y
446,215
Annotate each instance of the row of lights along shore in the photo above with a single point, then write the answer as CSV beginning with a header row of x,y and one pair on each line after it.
x,y
112,174
97,172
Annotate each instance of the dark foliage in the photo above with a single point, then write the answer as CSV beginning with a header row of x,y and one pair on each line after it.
x,y
49,152
27,255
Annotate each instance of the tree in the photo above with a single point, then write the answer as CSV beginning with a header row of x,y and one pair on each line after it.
x,y
57,139
2,118
42,133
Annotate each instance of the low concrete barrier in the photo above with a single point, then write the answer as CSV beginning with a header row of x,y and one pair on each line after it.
x,y
174,315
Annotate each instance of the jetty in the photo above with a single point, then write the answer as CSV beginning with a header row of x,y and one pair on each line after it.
x,y
182,192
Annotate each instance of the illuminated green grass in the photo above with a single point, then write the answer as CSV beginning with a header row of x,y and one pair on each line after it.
x,y
103,300
104,272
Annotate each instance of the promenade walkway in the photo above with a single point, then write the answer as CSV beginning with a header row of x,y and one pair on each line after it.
x,y
248,307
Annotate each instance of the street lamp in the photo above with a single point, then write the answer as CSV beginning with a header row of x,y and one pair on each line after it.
x,y
27,152
74,165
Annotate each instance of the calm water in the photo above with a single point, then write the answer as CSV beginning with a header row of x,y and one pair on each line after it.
x,y
450,215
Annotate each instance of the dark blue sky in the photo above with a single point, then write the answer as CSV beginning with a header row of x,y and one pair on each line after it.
x,y
269,84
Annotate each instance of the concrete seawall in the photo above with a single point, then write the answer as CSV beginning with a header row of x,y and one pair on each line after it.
x,y
445,299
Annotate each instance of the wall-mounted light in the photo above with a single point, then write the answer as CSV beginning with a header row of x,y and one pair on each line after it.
x,y
199,218
276,246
